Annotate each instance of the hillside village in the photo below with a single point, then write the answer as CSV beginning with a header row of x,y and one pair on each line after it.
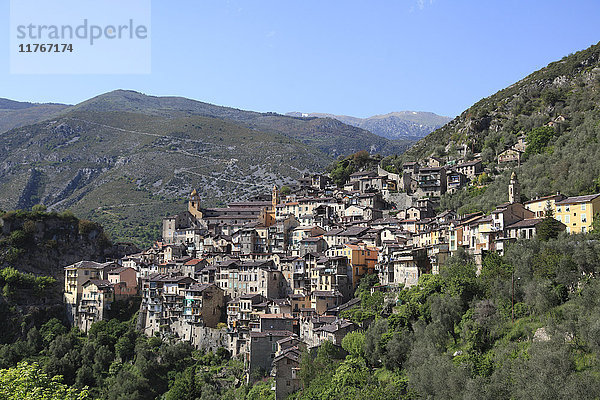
x,y
270,277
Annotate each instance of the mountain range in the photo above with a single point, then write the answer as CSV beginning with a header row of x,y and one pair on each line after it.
x,y
126,159
407,125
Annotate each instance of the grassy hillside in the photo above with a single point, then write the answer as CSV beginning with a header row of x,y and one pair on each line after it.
x,y
567,159
14,114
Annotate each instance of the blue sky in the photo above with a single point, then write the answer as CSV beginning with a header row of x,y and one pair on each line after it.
x,y
345,57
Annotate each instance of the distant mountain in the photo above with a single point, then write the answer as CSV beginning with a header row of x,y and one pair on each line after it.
x,y
14,114
328,135
405,125
126,159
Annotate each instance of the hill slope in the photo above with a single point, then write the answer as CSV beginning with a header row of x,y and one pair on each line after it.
x,y
14,114
328,135
127,170
565,95
127,159
406,125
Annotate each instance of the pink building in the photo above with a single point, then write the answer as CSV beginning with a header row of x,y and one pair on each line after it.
x,y
124,280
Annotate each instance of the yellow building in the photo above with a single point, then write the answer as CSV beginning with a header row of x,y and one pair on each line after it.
x,y
194,205
577,213
539,205
75,276
79,273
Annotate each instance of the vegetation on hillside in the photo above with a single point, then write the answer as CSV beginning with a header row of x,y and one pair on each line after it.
x,y
114,361
35,246
330,136
341,169
41,242
458,335
129,170
556,109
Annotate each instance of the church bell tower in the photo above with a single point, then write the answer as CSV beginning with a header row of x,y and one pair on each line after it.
x,y
194,205
514,189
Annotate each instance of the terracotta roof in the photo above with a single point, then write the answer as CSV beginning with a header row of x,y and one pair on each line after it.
x,y
552,196
327,293
118,270
334,232
194,261
468,163
292,353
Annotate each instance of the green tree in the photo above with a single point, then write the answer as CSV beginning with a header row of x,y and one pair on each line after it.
x,y
29,382
354,343
538,139
51,329
459,276
261,391
39,208
185,386
125,348
549,228
596,225
285,190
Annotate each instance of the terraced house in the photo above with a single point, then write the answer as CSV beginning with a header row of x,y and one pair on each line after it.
x,y
261,273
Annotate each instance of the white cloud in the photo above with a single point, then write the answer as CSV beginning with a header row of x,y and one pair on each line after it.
x,y
422,4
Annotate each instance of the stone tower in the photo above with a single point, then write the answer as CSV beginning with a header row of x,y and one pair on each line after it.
x,y
514,189
194,205
275,197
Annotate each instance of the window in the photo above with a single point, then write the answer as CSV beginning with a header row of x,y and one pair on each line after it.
x,y
567,219
583,218
567,208
583,207
557,208
558,218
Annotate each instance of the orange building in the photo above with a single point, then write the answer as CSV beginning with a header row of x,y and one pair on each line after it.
x,y
362,260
